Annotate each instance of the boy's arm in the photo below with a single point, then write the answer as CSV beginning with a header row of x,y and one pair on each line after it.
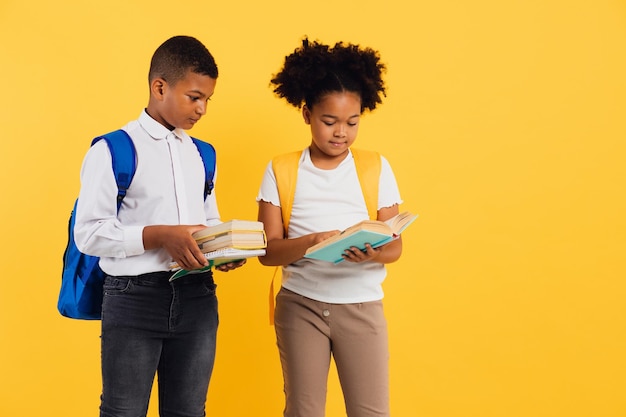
x,y
97,230
281,251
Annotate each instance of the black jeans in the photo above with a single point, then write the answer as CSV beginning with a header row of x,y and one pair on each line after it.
x,y
149,326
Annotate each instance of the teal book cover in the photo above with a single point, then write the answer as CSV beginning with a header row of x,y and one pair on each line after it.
x,y
333,252
374,232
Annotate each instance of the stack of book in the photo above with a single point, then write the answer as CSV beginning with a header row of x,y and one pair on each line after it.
x,y
230,241
235,234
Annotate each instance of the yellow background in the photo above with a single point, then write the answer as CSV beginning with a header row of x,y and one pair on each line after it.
x,y
505,125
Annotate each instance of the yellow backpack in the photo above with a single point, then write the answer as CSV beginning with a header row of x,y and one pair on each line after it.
x,y
285,167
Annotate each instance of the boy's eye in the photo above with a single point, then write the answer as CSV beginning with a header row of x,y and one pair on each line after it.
x,y
352,124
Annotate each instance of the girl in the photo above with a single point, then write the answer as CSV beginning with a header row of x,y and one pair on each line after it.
x,y
323,308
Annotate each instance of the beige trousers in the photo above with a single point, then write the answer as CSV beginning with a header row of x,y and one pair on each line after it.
x,y
309,331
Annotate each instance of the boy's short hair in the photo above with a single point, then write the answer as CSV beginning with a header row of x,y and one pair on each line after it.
x,y
178,55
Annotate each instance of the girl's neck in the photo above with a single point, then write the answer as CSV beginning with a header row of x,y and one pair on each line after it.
x,y
322,160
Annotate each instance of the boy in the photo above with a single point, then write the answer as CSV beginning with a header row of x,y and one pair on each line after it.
x,y
148,324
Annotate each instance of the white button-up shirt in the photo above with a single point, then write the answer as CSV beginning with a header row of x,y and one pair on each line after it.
x,y
167,189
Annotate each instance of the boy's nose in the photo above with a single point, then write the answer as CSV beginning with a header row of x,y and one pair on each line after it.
x,y
201,108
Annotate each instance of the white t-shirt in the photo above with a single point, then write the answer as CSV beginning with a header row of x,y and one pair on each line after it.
x,y
331,200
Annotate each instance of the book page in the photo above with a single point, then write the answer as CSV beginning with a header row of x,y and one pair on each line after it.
x,y
231,226
401,221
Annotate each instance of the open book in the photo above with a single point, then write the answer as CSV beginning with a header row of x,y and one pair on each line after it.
x,y
374,232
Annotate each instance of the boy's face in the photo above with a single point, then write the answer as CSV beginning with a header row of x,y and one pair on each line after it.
x,y
180,105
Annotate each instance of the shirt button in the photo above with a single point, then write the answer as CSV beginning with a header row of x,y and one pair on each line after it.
x,y
326,313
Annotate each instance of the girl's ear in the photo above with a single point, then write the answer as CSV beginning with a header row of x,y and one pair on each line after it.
x,y
157,88
306,114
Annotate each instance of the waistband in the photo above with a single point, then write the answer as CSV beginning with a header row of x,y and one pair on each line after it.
x,y
163,277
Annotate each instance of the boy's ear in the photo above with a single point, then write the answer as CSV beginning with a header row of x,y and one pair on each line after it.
x,y
306,114
157,88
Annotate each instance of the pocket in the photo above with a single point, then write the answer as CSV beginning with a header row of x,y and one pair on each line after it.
x,y
116,285
286,294
209,285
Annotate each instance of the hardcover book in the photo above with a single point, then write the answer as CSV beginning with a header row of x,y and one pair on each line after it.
x,y
374,232
230,241
231,226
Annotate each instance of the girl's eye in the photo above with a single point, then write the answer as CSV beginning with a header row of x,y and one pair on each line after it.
x,y
328,123
352,124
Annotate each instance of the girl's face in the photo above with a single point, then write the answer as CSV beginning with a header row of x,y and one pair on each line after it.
x,y
334,122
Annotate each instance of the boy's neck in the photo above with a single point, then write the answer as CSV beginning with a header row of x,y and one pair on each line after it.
x,y
161,121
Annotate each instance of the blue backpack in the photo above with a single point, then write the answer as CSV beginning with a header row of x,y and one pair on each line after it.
x,y
82,279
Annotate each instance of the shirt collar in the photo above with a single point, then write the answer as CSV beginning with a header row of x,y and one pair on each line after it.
x,y
306,157
157,131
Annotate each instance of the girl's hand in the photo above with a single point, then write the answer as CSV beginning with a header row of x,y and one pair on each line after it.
x,y
356,255
321,236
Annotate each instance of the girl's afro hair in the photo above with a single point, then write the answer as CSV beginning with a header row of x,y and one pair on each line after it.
x,y
314,70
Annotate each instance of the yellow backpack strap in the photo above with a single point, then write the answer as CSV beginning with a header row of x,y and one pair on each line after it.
x,y
272,294
285,169
368,167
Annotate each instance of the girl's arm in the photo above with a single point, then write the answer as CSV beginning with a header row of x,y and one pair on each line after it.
x,y
281,251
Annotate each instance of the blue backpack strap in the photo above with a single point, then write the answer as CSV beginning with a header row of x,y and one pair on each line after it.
x,y
207,153
80,296
124,160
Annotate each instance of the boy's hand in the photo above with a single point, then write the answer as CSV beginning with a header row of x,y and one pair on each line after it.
x,y
177,241
230,266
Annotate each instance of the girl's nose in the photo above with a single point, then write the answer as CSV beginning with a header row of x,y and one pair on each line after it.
x,y
340,133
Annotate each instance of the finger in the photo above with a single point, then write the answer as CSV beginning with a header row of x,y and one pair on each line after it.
x,y
190,262
184,263
358,253
349,255
198,257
